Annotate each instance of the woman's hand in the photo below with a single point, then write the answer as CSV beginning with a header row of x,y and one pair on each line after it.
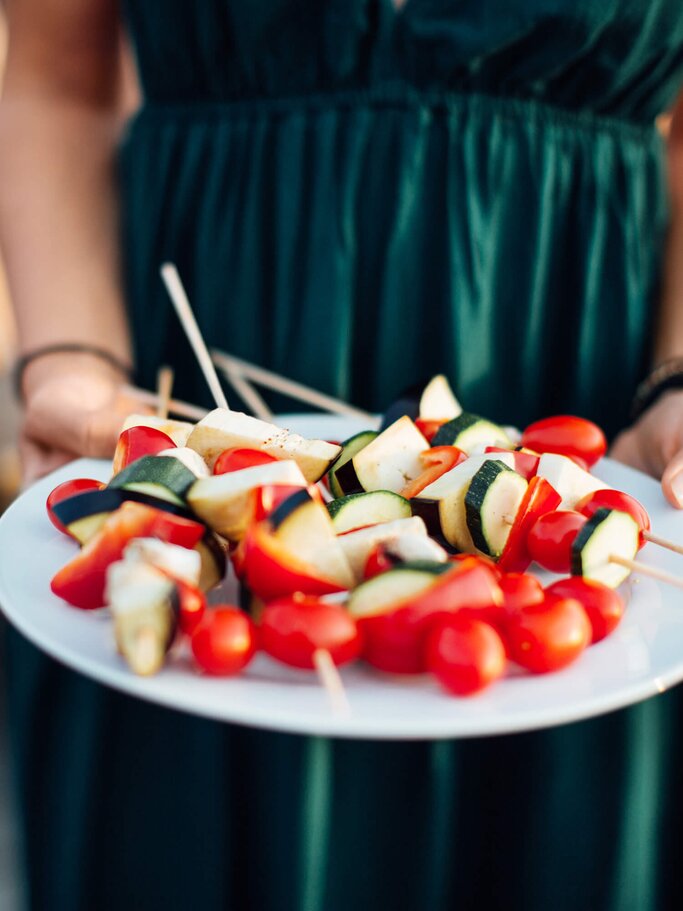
x,y
75,405
654,444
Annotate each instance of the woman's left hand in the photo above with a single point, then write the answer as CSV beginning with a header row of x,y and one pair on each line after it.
x,y
654,444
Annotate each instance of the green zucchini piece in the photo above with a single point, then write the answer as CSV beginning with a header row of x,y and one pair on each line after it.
x,y
159,471
491,503
384,593
360,509
468,431
350,448
607,533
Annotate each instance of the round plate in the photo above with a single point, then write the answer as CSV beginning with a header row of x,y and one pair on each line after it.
x,y
642,658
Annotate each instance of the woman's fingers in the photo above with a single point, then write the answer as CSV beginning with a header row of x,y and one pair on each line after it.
x,y
672,481
627,449
37,461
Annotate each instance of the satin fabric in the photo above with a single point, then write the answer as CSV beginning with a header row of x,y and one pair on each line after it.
x,y
359,198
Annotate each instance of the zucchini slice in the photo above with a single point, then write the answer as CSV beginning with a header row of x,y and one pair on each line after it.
x,y
468,431
85,513
386,592
213,561
156,475
350,448
360,509
491,504
189,458
607,533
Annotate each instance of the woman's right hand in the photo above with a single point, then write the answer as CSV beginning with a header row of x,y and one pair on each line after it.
x,y
75,405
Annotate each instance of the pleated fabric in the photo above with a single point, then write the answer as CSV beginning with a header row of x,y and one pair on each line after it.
x,y
360,198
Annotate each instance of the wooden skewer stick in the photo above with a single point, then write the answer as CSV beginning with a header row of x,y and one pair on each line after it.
x,y
164,388
331,680
249,396
644,570
178,296
270,380
662,542
183,409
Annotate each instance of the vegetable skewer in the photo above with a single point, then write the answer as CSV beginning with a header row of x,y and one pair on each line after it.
x,y
164,389
324,663
181,303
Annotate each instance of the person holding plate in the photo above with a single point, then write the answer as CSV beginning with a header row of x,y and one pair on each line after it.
x,y
357,194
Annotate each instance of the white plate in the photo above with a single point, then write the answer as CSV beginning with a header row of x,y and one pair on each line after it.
x,y
642,658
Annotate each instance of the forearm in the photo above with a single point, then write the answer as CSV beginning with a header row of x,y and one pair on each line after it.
x,y
58,222
669,331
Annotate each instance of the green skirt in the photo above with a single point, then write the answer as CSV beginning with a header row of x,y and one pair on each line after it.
x,y
360,243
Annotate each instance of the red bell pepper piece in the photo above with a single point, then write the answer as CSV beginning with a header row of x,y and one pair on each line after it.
x,y
81,582
526,463
428,428
271,571
539,499
437,461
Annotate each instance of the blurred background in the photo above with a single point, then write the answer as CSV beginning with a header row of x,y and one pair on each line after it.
x,y
10,897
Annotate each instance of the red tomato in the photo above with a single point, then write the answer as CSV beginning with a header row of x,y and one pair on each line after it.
x,y
604,606
65,490
293,629
237,459
548,636
224,642
520,590
465,655
567,435
551,537
394,640
192,606
136,442
82,581
615,499
428,428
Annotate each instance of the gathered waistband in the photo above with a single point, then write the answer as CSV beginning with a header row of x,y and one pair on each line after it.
x,y
500,107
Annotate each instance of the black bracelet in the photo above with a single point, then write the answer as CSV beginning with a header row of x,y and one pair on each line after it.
x,y
665,377
66,348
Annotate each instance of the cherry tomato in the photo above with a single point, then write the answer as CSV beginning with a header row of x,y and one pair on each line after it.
x,y
465,655
567,435
237,459
615,499
224,642
548,636
136,442
551,537
294,628
520,590
604,606
192,606
65,490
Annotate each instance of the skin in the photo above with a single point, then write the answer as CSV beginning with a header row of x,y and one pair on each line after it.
x,y
61,115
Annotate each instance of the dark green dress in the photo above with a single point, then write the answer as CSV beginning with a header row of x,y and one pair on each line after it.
x,y
360,198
